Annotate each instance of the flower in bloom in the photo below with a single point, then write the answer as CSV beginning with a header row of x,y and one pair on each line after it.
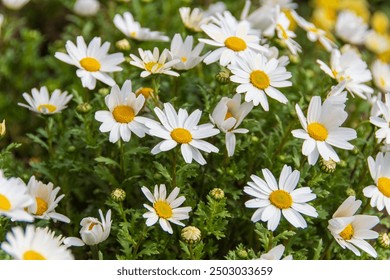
x,y
377,42
380,173
14,198
350,230
383,122
154,63
131,28
231,37
35,244
275,254
121,118
272,199
351,28
182,129
182,50
86,7
15,4
227,116
165,209
46,201
93,61
381,75
259,77
193,19
41,102
321,130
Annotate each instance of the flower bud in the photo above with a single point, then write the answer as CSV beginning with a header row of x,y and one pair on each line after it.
x,y
83,108
350,192
123,45
217,193
384,240
327,166
145,91
191,234
104,91
242,253
223,77
118,195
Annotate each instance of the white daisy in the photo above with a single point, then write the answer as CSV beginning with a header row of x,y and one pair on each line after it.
x,y
165,209
14,198
351,67
154,63
131,28
273,199
121,119
193,19
182,50
93,61
383,133
227,116
46,201
275,254
15,4
350,230
261,18
94,231
351,28
35,244
381,75
259,77
179,128
231,37
86,7
42,103
321,130
376,42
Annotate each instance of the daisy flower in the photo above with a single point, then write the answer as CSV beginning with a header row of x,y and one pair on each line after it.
x,y
182,129
231,38
35,244
41,102
376,42
350,230
46,201
131,28
272,199
275,254
121,118
351,28
259,77
86,8
182,50
227,116
165,209
15,4
321,130
14,198
154,63
381,75
93,61
193,19
383,123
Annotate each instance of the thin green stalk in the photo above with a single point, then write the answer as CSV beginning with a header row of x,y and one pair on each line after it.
x,y
191,252
122,212
174,163
49,125
327,250
137,246
122,157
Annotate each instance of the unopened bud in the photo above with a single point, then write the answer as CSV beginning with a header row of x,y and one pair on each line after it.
x,y
223,77
83,108
217,193
242,253
104,91
191,234
328,166
118,195
350,192
384,240
145,91
123,45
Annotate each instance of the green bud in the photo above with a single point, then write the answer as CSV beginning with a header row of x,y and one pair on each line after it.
x,y
350,192
123,45
242,253
327,166
83,108
118,195
223,77
104,91
191,234
71,149
384,240
255,139
217,193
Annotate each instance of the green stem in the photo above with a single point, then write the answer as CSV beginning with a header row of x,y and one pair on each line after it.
x,y
191,252
327,250
122,212
174,161
156,89
270,240
95,252
49,125
122,157
137,246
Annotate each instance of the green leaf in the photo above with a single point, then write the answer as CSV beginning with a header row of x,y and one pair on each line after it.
x,y
107,161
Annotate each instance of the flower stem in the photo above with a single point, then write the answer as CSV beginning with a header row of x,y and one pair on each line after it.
x,y
122,157
174,161
49,125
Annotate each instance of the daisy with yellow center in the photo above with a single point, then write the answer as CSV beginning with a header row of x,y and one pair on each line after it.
x,y
321,129
382,121
272,199
350,230
41,102
35,244
351,28
122,117
165,210
179,128
93,61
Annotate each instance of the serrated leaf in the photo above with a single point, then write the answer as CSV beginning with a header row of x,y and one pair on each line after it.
x,y
107,161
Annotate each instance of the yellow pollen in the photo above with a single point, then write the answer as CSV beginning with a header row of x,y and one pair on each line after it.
x,y
382,82
41,206
183,59
259,79
90,64
281,199
384,186
91,226
149,66
31,255
313,29
228,115
5,204
181,135
283,31
133,34
45,108
145,91
317,131
235,43
347,232
123,114
163,209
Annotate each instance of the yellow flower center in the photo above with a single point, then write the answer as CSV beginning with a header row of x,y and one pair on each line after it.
x,y
133,34
45,108
181,135
90,64
123,114
283,31
33,255
281,199
347,232
317,131
183,59
163,209
92,225
5,204
150,65
228,115
145,91
235,43
41,206
382,82
380,22
384,186
259,79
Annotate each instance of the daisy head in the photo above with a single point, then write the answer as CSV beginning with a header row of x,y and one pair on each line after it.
x,y
94,231
272,199
179,128
381,75
93,61
193,19
382,122
275,253
15,4
121,117
35,244
350,230
86,8
351,28
259,77
165,210
40,102
46,201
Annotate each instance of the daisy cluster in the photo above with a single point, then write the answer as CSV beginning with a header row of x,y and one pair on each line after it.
x,y
264,109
